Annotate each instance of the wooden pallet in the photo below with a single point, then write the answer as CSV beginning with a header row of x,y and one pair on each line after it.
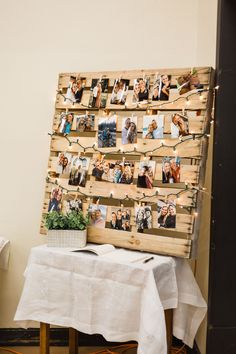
x,y
192,149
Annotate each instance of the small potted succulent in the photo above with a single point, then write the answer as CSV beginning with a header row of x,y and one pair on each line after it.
x,y
66,230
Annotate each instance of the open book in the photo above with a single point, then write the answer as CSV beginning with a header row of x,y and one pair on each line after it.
x,y
107,251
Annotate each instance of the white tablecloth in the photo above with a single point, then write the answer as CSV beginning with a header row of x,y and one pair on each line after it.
x,y
118,299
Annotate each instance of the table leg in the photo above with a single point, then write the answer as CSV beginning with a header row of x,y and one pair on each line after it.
x,y
169,326
73,341
44,338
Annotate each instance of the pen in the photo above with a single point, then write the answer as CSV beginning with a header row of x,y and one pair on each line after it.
x,y
148,259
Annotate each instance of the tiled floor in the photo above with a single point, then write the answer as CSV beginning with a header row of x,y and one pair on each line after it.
x,y
60,350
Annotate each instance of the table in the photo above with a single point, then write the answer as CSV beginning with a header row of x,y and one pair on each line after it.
x,y
112,296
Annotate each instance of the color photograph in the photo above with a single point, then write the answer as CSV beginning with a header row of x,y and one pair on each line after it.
x,y
79,171
120,219
120,91
166,214
161,88
141,90
55,203
85,122
188,82
66,121
153,126
107,131
75,90
179,126
113,171
129,130
146,174
171,170
98,93
143,218
63,164
97,215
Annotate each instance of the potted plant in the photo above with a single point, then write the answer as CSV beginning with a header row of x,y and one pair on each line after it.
x,y
66,230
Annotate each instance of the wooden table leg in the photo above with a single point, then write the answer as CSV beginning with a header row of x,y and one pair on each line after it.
x,y
44,338
169,326
73,341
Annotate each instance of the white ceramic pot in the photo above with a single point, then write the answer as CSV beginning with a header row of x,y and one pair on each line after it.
x,y
67,238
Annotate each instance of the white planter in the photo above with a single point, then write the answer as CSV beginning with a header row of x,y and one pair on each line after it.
x,y
66,238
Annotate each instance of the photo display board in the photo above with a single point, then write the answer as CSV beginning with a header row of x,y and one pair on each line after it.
x,y
130,149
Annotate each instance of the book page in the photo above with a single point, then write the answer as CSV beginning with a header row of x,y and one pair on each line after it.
x,y
97,249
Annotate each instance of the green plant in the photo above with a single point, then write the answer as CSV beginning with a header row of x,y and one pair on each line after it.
x,y
70,221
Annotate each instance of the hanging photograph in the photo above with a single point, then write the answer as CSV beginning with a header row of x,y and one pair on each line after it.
x,y
55,199
171,170
79,171
97,215
153,126
129,130
120,91
179,125
72,203
63,164
141,90
98,93
113,171
143,218
75,90
107,131
188,82
120,219
66,121
166,214
146,174
161,88
85,122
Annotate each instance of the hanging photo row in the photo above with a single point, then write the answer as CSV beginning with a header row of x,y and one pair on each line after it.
x,y
129,149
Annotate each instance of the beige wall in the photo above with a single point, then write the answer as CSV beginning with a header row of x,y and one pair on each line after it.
x,y
38,40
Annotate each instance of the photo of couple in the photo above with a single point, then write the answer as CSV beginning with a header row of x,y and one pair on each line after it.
x,y
179,126
98,94
120,219
166,216
107,131
66,121
75,90
153,126
55,203
129,130
97,215
120,91
113,171
72,203
146,174
79,171
141,90
85,123
143,218
188,82
161,88
63,164
171,170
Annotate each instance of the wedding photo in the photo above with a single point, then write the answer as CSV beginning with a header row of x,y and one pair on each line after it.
x,y
179,125
143,218
120,91
97,215
79,171
72,203
55,200
85,122
171,170
98,93
166,214
75,90
113,171
153,126
107,131
141,90
66,121
63,164
146,174
161,88
129,130
120,219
